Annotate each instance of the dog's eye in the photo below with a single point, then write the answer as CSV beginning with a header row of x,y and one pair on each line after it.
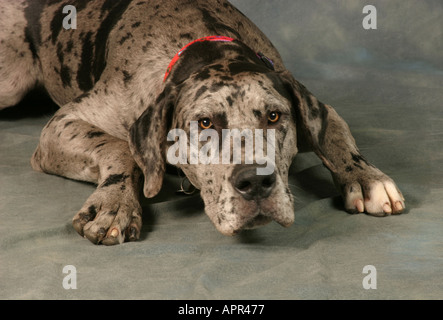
x,y
273,117
205,123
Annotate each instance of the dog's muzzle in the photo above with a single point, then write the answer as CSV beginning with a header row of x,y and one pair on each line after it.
x,y
249,200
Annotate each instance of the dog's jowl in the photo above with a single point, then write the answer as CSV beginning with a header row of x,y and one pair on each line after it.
x,y
132,71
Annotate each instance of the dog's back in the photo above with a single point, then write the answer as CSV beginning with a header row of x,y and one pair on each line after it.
x,y
113,41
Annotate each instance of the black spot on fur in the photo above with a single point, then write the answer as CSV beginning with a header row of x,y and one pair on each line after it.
x,y
65,75
186,36
107,6
32,46
358,158
57,23
67,124
358,166
92,211
33,27
230,101
221,120
84,77
65,71
100,145
81,97
69,46
94,134
126,76
203,75
226,78
124,38
216,86
200,91
239,67
55,118
146,46
217,67
257,114
113,213
114,179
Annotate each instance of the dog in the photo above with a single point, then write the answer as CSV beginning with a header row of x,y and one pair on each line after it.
x,y
133,70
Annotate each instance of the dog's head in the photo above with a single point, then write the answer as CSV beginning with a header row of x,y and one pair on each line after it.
x,y
229,123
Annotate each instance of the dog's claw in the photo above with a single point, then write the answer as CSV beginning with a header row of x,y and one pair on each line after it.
x,y
360,206
133,233
95,236
387,208
114,233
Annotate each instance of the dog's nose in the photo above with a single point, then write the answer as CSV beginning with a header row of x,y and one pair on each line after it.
x,y
252,186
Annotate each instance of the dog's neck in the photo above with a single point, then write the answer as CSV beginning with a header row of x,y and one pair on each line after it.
x,y
179,53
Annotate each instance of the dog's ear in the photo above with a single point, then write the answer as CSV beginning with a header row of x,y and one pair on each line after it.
x,y
312,118
147,140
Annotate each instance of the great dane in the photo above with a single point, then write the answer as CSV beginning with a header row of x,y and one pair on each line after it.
x,y
132,70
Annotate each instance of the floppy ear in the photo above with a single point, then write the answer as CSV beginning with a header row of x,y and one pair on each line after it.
x,y
147,139
319,127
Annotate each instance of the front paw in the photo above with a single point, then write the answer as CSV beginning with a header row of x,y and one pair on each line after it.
x,y
109,217
373,193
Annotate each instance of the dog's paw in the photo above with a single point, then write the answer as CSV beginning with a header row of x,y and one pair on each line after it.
x,y
109,216
373,193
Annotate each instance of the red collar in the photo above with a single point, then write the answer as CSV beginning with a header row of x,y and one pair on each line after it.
x,y
177,56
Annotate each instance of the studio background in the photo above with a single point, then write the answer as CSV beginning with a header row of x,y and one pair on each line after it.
x,y
386,83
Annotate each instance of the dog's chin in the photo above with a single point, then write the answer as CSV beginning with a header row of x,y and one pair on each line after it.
x,y
245,215
258,221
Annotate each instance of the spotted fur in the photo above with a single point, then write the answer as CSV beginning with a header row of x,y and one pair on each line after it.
x,y
115,110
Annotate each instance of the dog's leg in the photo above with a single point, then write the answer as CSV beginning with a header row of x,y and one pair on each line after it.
x,y
75,149
364,187
319,128
19,69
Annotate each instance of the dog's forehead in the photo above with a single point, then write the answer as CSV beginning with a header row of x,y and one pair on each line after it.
x,y
240,95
